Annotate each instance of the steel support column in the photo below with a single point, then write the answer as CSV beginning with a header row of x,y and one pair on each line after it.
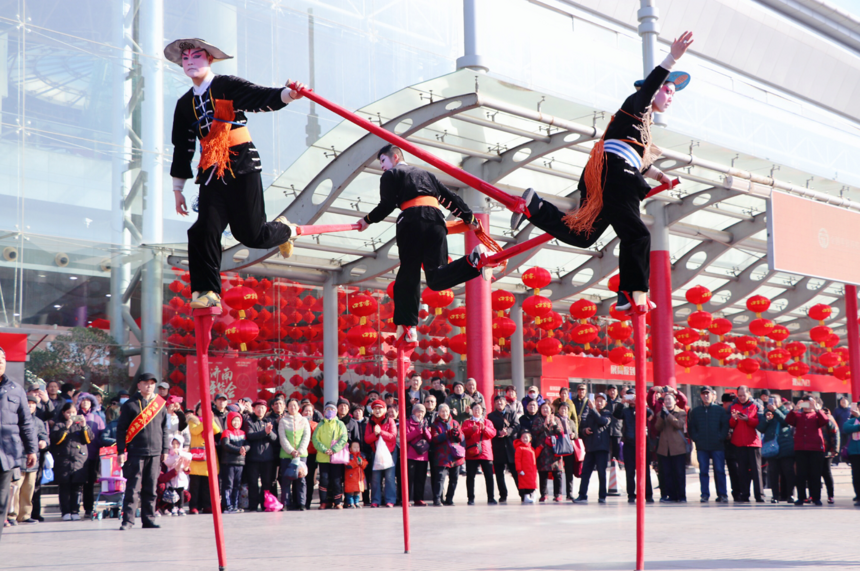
x,y
152,283
330,374
649,29
661,292
471,58
518,369
853,339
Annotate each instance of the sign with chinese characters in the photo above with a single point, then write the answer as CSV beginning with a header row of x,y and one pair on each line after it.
x,y
233,376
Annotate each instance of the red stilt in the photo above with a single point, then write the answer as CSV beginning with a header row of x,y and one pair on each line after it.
x,y
402,364
853,339
662,319
324,229
513,203
661,187
641,444
203,328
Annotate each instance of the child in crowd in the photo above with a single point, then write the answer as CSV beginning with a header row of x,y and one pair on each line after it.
x,y
354,483
526,464
233,450
178,461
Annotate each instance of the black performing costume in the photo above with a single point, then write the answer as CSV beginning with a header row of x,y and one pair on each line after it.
x,y
236,197
627,155
421,236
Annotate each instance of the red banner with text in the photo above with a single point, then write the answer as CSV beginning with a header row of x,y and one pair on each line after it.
x,y
232,376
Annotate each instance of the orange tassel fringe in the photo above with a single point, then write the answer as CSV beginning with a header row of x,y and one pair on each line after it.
x,y
216,145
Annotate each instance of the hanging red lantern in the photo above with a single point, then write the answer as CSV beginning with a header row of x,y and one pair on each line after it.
x,y
687,337
621,356
362,306
720,351
549,347
619,331
537,306
458,345
761,327
241,332
549,322
698,296
720,326
584,334
758,304
842,373
583,309
797,369
428,297
177,377
748,366
778,357
779,333
502,301
614,283
796,349
745,344
503,328
700,320
240,298
820,312
362,337
536,278
830,360
457,317
831,341
687,359
820,333
441,300
615,314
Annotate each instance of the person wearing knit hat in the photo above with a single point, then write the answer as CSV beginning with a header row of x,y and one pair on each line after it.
x,y
229,171
330,439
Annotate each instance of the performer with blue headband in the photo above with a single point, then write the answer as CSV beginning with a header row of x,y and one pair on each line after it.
x,y
231,188
613,184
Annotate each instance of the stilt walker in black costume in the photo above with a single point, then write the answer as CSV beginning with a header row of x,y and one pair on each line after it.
x,y
231,189
421,236
613,184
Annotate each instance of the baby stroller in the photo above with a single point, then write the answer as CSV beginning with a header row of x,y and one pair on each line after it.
x,y
111,485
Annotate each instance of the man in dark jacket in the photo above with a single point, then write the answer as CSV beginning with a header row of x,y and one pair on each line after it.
x,y
506,425
594,431
17,433
709,428
627,414
142,442
262,437
437,390
613,401
414,393
580,401
353,430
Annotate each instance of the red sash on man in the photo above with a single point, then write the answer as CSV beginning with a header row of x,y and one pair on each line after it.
x,y
145,417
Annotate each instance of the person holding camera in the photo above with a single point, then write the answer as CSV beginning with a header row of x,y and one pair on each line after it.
x,y
69,439
744,420
851,429
780,471
808,420
671,422
448,453
627,413
594,430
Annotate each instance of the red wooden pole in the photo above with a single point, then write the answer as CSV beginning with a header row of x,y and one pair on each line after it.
x,y
661,187
513,203
853,339
641,444
404,471
203,327
324,229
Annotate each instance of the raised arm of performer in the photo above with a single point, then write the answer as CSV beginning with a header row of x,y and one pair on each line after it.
x,y
612,184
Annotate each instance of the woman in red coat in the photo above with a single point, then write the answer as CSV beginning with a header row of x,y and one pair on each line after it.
x,y
808,420
479,433
526,464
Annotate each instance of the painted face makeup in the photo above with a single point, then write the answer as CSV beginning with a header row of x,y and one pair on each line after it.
x,y
385,163
664,98
195,63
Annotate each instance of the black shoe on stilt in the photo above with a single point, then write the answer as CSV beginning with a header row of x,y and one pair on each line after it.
x,y
622,303
517,217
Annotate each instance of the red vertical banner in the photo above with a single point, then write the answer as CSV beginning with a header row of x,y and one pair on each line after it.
x,y
235,377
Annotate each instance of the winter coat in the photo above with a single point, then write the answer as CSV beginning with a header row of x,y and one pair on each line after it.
x,y
628,414
807,429
581,406
220,417
778,428
69,449
263,446
744,431
515,407
329,435
598,422
311,448
41,434
415,432
526,464
558,402
461,406
443,435
354,480
294,433
709,427
525,421
388,432
153,440
94,421
616,426
17,433
354,432
851,428
441,395
232,443
542,434
841,416
671,425
477,398
526,400
174,461
831,439
479,439
503,446
108,437
198,441
654,400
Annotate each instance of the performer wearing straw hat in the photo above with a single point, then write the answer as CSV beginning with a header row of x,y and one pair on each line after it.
x,y
231,189
613,184
421,236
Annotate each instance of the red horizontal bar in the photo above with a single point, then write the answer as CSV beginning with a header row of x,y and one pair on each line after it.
x,y
325,229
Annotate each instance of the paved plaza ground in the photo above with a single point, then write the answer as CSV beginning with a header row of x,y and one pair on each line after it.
x,y
515,537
